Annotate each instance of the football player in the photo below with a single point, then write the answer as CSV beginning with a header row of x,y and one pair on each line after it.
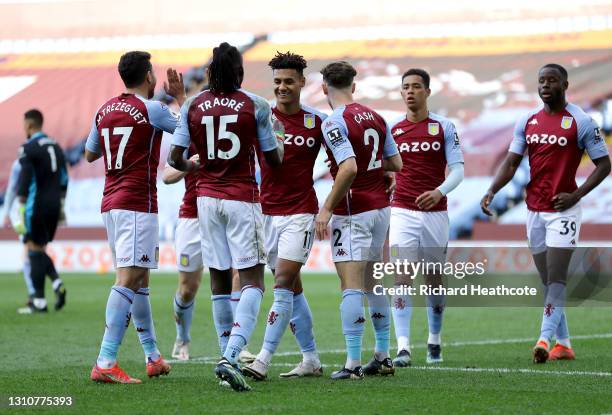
x,y
555,137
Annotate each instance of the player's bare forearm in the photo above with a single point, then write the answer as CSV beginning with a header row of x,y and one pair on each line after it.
x,y
91,156
347,171
393,163
178,162
504,175
170,175
274,158
602,170
506,171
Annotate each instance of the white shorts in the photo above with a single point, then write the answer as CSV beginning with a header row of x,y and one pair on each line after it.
x,y
554,229
231,233
288,237
415,235
133,238
359,237
188,245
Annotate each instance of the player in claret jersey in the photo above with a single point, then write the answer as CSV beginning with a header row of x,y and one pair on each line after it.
x,y
227,124
127,132
427,143
361,149
188,256
289,205
555,137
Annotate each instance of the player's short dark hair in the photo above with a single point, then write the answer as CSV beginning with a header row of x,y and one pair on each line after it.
x,y
133,67
35,117
288,60
559,68
225,71
418,72
339,74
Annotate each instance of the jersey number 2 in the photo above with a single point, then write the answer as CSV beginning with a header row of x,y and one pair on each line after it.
x,y
373,134
124,132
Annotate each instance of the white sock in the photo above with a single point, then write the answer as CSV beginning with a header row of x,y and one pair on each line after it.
x,y
433,338
264,356
311,357
403,343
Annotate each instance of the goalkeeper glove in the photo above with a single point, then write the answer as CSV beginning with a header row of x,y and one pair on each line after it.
x,y
19,225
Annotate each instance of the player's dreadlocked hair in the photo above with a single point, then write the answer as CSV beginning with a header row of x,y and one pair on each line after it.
x,y
339,74
288,60
225,71
558,67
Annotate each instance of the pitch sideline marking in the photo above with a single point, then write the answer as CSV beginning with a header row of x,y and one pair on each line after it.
x,y
499,370
214,359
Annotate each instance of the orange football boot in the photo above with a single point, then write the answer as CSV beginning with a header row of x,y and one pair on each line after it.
x,y
540,352
157,367
113,375
560,352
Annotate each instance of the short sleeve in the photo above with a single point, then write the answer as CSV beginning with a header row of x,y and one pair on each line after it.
x,y
335,134
519,143
591,139
93,139
265,132
452,146
390,148
161,117
181,135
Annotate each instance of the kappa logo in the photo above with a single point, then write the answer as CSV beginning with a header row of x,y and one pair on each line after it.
x,y
397,132
235,324
145,258
566,122
573,242
341,252
399,303
272,317
360,320
140,329
378,316
549,309
292,327
533,122
226,333
128,317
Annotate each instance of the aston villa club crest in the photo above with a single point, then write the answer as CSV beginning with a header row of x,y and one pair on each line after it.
x,y
566,122
433,128
309,121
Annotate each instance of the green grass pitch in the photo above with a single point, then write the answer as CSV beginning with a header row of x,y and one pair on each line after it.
x,y
487,367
